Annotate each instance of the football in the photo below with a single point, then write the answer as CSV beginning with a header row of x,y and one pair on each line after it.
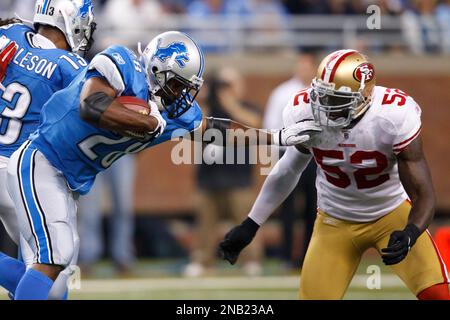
x,y
137,105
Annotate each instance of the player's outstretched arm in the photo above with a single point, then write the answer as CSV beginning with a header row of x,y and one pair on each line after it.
x,y
99,108
240,134
416,179
278,185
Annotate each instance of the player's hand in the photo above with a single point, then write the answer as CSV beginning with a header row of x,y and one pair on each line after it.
x,y
237,239
8,49
154,112
299,133
399,244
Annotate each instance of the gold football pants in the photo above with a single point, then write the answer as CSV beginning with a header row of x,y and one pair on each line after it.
x,y
336,248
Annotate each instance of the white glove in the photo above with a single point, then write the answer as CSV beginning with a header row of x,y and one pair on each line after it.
x,y
298,133
154,112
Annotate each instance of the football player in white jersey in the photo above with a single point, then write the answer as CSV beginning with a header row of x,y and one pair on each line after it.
x,y
373,183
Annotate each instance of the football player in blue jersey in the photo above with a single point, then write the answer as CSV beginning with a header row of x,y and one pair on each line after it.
x,y
84,128
35,62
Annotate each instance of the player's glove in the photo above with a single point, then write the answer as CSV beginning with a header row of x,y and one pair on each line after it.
x,y
399,244
237,239
8,49
299,133
154,112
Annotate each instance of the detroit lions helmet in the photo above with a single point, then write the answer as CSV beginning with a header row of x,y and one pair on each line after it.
x,y
174,65
342,89
75,19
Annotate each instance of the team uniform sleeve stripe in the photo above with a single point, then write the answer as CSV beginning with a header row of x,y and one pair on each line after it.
x,y
404,144
108,68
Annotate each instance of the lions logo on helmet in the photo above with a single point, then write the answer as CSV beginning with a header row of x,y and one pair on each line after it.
x,y
174,65
84,7
74,18
177,50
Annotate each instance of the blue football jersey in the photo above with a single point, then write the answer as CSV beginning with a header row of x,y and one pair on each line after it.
x,y
78,149
37,71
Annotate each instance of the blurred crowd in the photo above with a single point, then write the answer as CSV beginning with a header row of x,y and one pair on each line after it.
x,y
438,8
423,24
206,7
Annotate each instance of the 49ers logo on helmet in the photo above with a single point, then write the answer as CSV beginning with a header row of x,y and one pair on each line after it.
x,y
366,69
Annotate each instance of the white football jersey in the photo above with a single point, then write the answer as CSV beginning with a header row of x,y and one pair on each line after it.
x,y
357,175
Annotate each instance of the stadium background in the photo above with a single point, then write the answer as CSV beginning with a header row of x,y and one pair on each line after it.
x,y
410,51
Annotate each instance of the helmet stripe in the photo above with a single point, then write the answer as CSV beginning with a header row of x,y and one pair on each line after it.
x,y
338,62
44,6
330,69
323,73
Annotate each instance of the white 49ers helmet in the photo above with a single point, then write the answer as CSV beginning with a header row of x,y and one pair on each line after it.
x,y
342,89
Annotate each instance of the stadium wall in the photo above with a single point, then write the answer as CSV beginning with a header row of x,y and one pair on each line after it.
x,y
163,187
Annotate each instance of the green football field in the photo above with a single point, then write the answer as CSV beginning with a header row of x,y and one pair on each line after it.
x,y
160,279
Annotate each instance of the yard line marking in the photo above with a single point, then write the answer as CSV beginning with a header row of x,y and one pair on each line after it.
x,y
224,283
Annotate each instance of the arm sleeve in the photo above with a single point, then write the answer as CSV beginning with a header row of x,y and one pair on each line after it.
x,y
279,184
197,117
108,69
409,128
190,121
293,113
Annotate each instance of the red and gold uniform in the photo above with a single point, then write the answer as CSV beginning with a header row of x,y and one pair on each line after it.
x,y
361,199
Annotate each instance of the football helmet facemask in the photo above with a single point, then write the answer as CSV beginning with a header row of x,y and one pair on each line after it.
x,y
174,65
341,91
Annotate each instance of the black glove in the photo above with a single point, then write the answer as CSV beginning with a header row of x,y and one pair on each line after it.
x,y
237,239
399,244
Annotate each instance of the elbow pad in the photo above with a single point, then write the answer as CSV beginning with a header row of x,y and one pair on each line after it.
x,y
92,108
